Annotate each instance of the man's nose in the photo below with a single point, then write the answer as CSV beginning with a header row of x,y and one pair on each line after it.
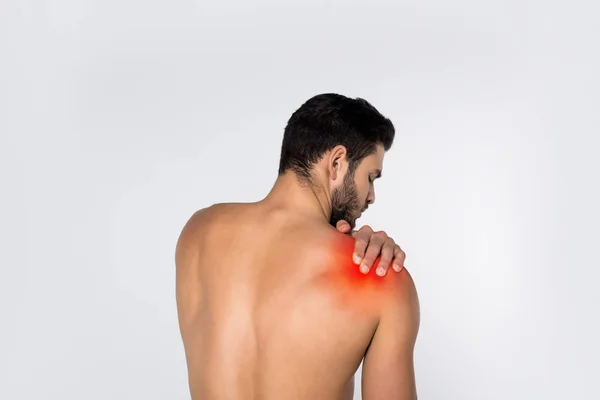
x,y
371,197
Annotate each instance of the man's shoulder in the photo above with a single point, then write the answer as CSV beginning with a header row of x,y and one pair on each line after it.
x,y
326,240
395,290
402,286
206,225
217,214
403,299
219,209
207,221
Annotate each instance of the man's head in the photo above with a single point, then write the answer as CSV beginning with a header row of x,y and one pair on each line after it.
x,y
342,141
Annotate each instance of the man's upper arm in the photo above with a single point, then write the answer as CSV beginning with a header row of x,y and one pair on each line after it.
x,y
188,292
388,369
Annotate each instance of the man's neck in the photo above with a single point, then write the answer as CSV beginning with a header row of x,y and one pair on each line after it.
x,y
310,201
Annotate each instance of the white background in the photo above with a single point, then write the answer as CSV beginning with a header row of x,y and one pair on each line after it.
x,y
119,119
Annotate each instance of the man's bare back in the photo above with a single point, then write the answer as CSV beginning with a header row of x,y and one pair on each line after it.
x,y
271,307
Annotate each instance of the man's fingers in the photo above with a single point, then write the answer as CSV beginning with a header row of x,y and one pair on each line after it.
x,y
399,257
370,245
362,237
373,250
387,253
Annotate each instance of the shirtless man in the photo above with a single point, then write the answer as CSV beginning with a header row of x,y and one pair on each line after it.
x,y
270,303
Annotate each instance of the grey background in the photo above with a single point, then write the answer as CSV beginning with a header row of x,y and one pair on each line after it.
x,y
119,119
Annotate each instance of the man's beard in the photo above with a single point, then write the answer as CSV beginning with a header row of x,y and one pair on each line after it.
x,y
345,204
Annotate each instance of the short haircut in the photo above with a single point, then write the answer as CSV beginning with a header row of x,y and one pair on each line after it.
x,y
328,120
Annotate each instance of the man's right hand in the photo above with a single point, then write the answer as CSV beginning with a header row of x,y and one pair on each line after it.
x,y
369,245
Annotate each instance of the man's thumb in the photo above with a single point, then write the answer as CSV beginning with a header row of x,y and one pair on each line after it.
x,y
343,226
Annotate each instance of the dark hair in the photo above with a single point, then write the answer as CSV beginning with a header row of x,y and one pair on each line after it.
x,y
328,120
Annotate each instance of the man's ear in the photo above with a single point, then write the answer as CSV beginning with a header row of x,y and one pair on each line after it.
x,y
337,162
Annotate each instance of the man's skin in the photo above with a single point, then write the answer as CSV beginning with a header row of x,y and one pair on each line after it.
x,y
271,305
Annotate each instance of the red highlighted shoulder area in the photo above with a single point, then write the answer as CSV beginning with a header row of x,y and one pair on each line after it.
x,y
349,285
